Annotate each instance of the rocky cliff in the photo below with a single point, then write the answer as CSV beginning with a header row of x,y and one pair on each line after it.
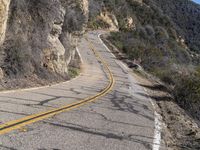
x,y
38,37
4,7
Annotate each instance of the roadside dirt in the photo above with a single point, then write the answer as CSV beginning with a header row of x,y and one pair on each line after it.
x,y
180,131
34,81
26,82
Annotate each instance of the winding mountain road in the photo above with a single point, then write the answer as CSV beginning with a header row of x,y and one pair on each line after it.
x,y
112,115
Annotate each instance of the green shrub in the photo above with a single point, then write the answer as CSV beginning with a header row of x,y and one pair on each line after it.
x,y
96,23
73,72
187,94
198,71
17,58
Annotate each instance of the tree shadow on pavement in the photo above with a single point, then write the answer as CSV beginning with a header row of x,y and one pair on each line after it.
x,y
106,134
126,103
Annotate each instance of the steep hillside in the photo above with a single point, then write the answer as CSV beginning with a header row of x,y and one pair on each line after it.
x,y
38,37
150,35
183,15
145,33
162,37
186,16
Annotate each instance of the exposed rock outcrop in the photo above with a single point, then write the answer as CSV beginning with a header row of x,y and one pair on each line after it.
x,y
39,36
129,23
110,19
4,7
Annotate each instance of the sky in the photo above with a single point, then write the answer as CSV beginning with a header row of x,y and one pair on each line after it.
x,y
197,1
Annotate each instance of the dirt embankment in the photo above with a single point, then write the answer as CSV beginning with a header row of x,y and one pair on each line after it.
x,y
180,132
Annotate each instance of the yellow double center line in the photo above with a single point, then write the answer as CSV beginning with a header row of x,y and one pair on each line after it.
x,y
16,124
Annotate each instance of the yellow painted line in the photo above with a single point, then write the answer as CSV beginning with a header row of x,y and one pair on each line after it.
x,y
16,124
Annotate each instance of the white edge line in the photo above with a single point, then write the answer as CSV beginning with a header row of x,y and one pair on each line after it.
x,y
157,130
123,65
105,46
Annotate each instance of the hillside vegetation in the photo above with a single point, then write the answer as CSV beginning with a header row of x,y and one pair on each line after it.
x,y
185,15
163,37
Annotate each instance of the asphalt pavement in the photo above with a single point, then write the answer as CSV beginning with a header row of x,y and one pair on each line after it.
x,y
124,119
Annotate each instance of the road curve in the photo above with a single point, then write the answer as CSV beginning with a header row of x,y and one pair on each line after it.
x,y
121,120
19,123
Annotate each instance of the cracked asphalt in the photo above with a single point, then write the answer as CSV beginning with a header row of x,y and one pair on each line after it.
x,y
121,120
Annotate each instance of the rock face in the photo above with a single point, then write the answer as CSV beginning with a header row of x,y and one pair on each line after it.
x,y
39,36
129,23
110,19
4,7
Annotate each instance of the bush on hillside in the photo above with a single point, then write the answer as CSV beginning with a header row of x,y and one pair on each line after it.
x,y
187,94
